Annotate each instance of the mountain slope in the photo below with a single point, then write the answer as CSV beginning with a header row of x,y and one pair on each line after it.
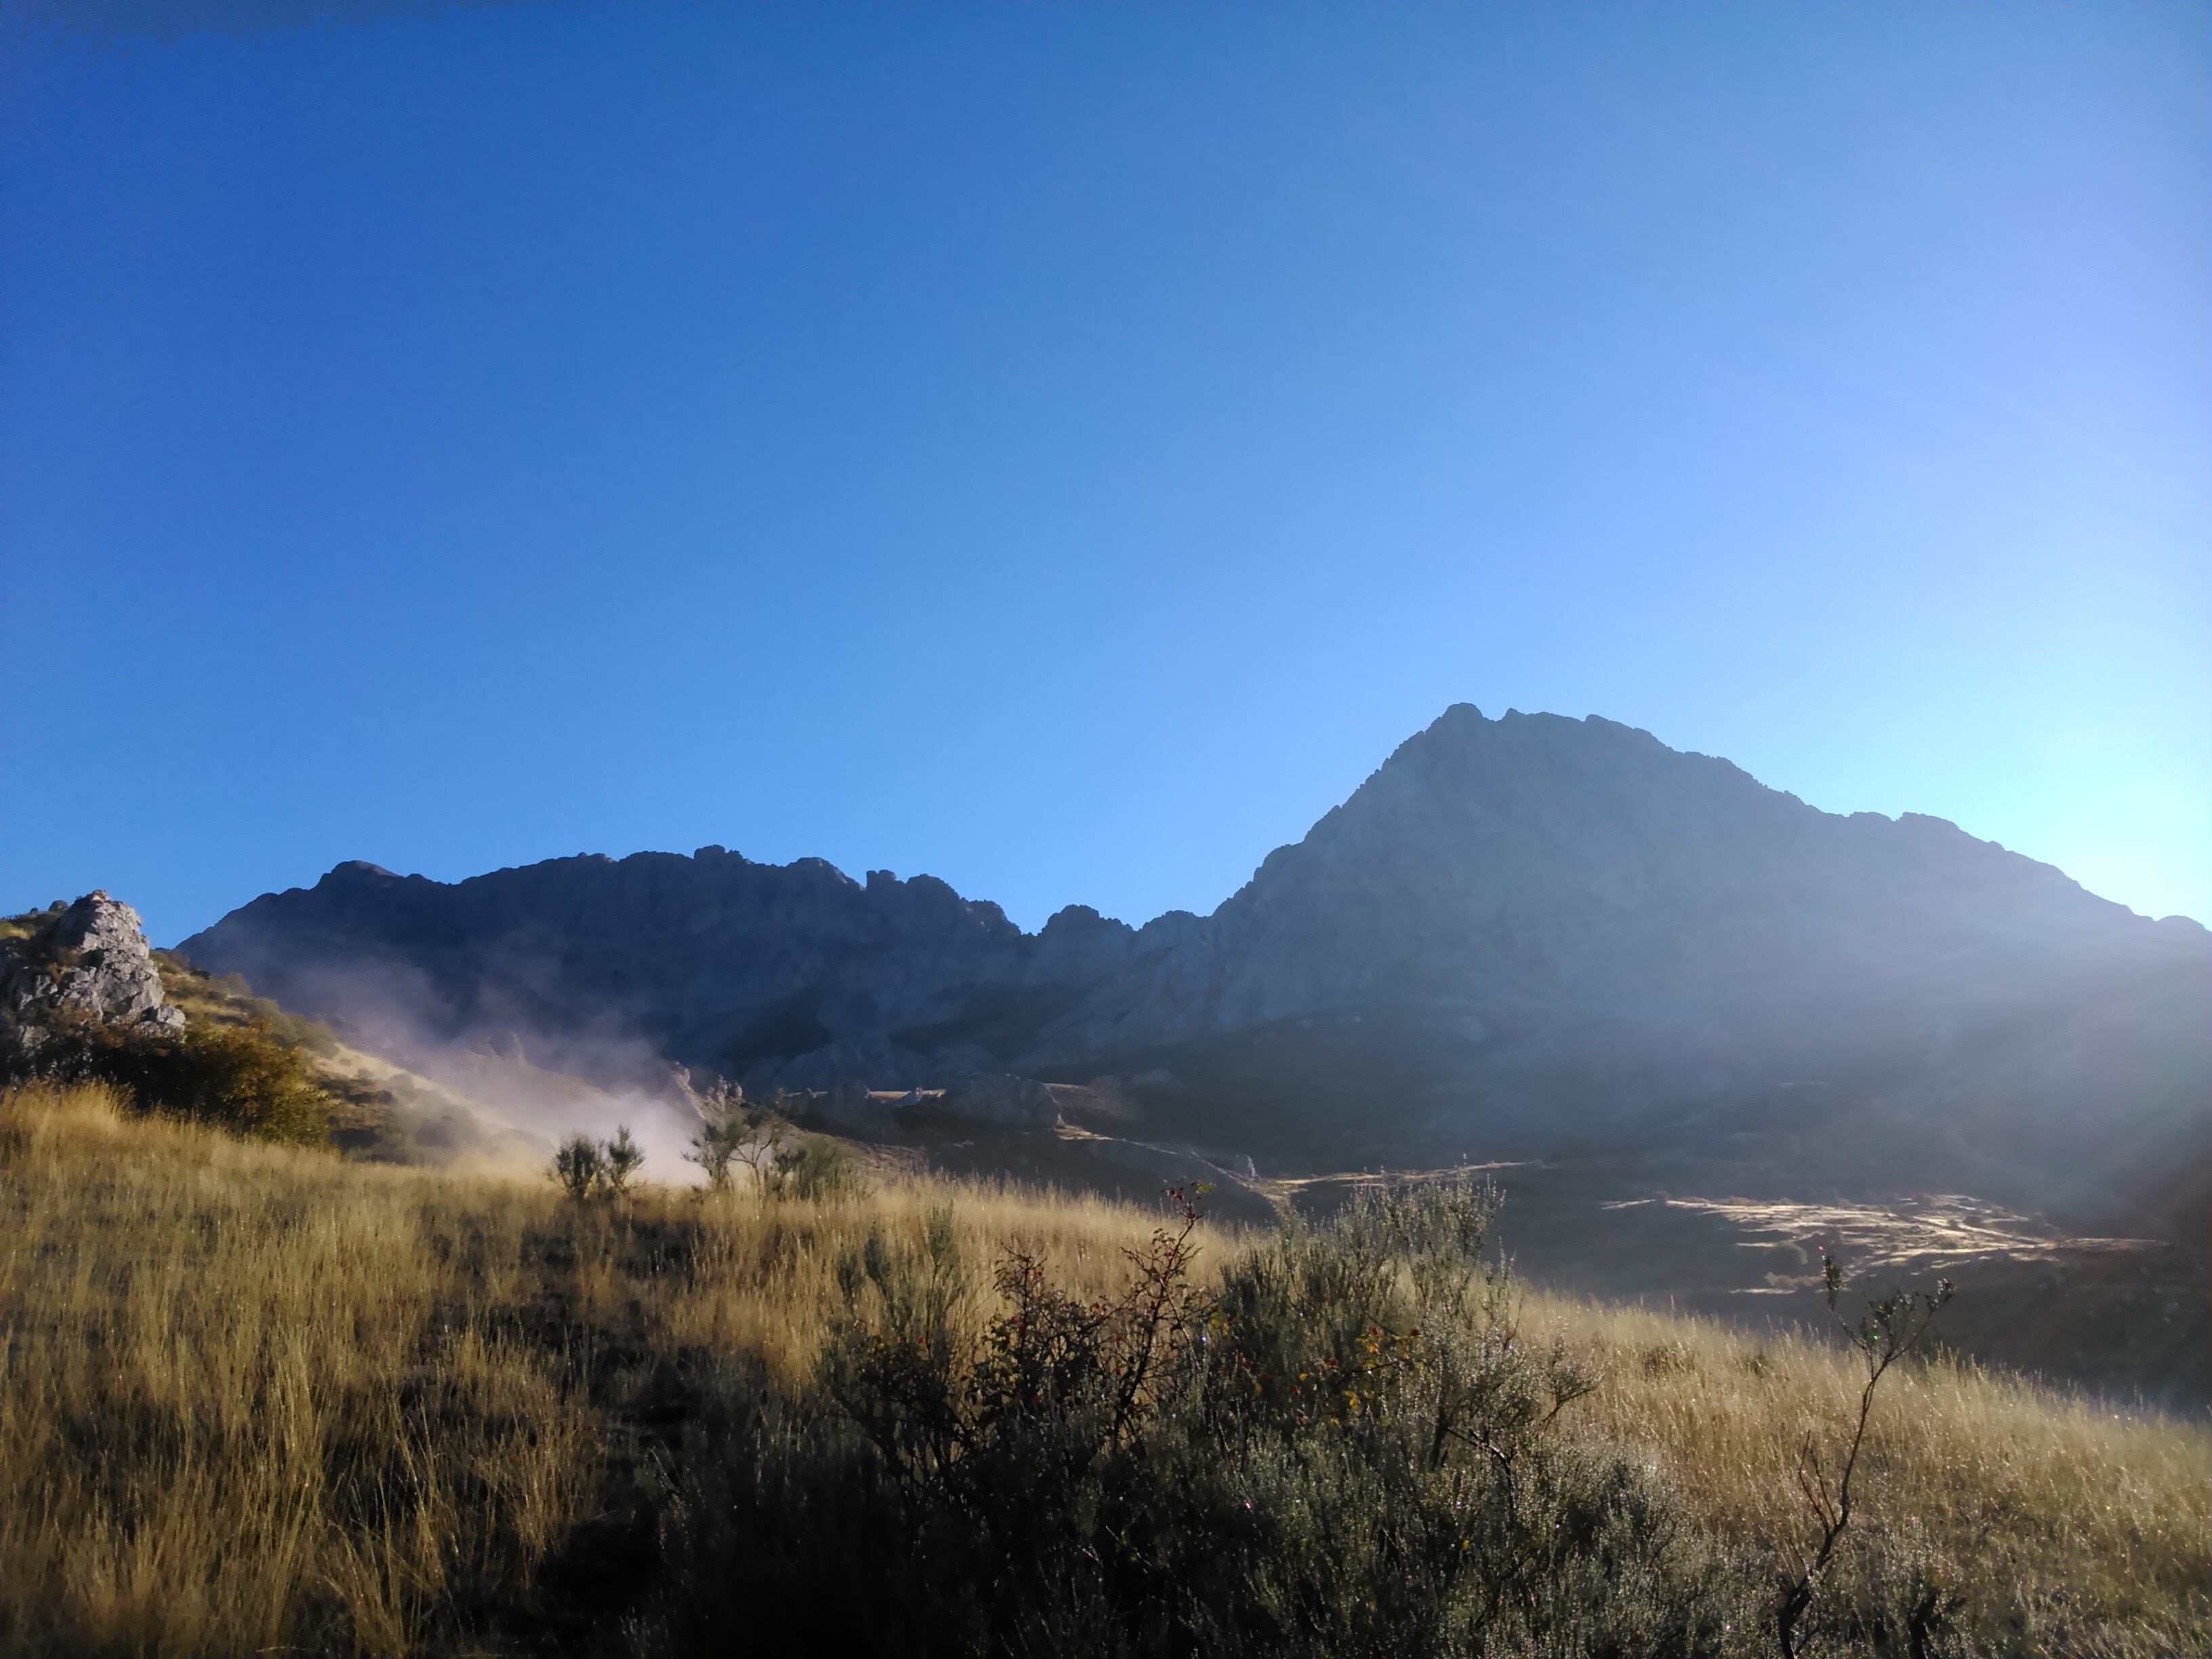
x,y
1538,931
1519,934
794,973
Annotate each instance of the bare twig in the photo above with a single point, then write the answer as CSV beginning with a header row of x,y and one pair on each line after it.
x,y
1892,1328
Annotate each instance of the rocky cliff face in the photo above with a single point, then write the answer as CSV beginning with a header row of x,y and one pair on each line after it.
x,y
794,976
1517,932
1527,863
86,962
1500,881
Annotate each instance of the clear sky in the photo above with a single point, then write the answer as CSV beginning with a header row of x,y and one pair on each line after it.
x,y
1063,449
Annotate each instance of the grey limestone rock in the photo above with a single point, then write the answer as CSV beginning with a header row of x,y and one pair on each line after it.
x,y
89,962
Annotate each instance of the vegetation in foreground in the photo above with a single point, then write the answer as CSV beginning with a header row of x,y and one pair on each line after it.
x,y
259,1400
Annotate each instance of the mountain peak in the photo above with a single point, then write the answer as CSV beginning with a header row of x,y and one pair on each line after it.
x,y
1531,920
356,869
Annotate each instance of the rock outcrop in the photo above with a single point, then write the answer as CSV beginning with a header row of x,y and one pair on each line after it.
x,y
87,962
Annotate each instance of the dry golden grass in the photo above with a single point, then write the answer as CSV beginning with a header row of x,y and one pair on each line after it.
x,y
260,1400
2070,1526
255,1396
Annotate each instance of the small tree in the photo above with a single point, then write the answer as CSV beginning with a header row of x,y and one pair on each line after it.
x,y
767,1139
736,1132
1892,1328
721,1127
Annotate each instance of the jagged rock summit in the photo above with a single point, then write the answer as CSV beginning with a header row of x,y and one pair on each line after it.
x,y
1518,931
86,962
1519,867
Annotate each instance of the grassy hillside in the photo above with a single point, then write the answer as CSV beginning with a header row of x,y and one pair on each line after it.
x,y
377,1110
243,1060
259,1398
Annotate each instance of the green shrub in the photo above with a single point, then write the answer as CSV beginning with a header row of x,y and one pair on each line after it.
x,y
814,1170
579,1168
1348,1450
734,1132
241,1078
620,1160
586,1169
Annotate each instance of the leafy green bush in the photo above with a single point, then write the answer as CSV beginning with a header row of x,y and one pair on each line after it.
x,y
243,1078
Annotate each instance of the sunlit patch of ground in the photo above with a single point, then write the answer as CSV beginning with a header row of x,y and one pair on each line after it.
x,y
2130,1318
1937,1233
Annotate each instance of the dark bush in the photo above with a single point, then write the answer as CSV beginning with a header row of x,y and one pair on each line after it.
x,y
1348,1450
579,1167
622,1158
588,1169
812,1170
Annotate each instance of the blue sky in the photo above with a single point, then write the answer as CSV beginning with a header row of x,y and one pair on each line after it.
x,y
1064,449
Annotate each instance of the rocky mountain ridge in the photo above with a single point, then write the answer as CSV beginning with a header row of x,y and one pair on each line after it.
x,y
1525,933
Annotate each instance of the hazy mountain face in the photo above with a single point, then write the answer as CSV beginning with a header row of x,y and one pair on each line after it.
x,y
1518,933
